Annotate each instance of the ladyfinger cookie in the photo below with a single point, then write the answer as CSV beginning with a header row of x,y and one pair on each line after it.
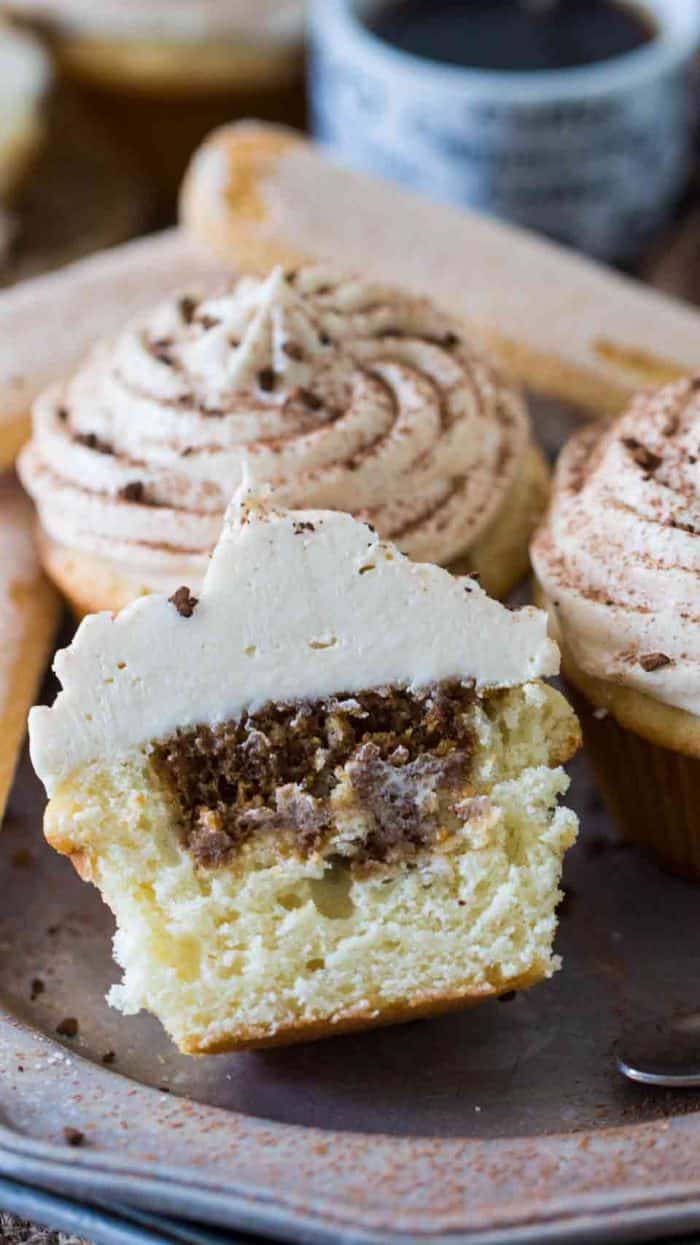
x,y
568,327
29,612
48,323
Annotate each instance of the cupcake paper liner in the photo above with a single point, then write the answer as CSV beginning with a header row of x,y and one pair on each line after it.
x,y
653,793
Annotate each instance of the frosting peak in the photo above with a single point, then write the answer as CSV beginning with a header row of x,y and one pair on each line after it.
x,y
258,338
619,553
295,606
342,395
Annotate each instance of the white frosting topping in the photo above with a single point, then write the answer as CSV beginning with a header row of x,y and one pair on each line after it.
x,y
255,21
295,606
339,393
619,554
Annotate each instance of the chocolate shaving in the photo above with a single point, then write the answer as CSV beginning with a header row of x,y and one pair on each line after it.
x,y
133,491
188,307
450,340
62,414
208,322
654,661
267,379
68,1027
293,351
73,1136
310,399
108,1058
162,350
301,527
91,441
644,457
184,602
37,988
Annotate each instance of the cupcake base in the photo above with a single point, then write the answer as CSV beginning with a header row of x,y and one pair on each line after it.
x,y
652,792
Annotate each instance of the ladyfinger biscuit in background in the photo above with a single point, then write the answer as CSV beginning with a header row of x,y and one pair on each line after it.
x,y
47,324
566,326
29,613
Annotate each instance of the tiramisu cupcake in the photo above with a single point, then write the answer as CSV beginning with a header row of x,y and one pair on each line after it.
x,y
337,393
618,560
322,796
164,72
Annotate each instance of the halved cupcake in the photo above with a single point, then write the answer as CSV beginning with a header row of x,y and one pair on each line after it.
x,y
321,797
339,393
618,562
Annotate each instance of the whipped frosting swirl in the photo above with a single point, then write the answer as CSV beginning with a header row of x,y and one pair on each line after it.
x,y
619,553
338,394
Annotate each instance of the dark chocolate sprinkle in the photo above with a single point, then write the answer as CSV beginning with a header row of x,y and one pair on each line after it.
x,y
68,1027
644,457
267,379
188,306
654,661
310,399
133,491
161,349
293,351
184,602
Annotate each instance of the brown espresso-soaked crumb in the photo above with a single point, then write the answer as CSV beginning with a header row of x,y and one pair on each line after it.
x,y
274,770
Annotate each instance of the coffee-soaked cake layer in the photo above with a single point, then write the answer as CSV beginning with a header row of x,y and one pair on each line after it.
x,y
383,756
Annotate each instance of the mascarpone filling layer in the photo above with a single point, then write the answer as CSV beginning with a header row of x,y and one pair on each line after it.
x,y
619,553
339,394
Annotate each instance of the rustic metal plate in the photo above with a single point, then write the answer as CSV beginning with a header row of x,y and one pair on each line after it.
x,y
507,1123
509,1117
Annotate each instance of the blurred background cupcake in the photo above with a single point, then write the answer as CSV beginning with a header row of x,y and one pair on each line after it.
x,y
618,563
161,73
25,79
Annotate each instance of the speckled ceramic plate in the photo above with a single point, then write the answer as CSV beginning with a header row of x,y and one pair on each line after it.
x,y
509,1122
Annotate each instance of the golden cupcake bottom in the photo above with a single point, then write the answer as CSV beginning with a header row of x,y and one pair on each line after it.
x,y
646,757
500,559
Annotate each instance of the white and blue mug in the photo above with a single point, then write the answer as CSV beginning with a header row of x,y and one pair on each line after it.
x,y
594,156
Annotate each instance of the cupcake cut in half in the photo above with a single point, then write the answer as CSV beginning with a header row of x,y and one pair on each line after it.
x,y
618,563
321,797
340,394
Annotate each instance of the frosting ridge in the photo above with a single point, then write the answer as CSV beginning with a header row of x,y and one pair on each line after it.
x,y
338,393
619,553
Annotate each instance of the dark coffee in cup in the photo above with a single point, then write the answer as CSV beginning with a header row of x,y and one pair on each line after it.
x,y
515,35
